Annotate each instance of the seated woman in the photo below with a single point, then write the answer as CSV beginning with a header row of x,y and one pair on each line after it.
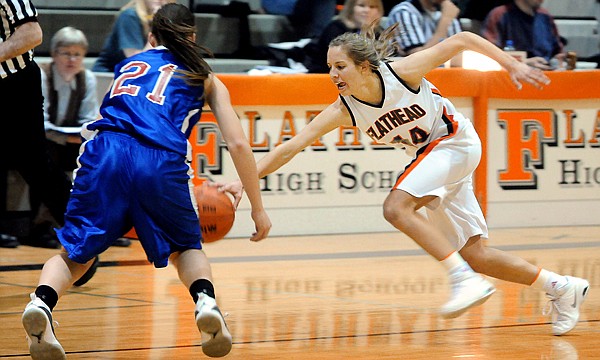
x,y
70,100
70,97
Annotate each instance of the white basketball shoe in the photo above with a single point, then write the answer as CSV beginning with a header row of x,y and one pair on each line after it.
x,y
468,289
216,338
564,304
37,321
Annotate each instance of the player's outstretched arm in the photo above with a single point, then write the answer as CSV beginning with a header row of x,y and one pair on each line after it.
x,y
413,67
334,116
217,97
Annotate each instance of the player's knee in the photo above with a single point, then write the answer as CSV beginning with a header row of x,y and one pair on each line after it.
x,y
396,214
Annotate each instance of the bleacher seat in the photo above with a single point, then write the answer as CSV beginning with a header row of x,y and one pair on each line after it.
x,y
220,34
265,29
87,4
578,9
581,34
95,24
255,5
236,66
578,23
219,66
78,4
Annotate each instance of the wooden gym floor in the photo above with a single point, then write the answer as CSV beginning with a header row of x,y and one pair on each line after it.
x,y
363,296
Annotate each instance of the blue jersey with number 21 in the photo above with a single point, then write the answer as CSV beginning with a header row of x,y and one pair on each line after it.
x,y
135,170
151,102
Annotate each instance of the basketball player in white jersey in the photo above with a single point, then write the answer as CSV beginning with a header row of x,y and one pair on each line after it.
x,y
394,104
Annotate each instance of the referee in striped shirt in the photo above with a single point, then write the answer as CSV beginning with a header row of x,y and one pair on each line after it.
x,y
22,135
423,23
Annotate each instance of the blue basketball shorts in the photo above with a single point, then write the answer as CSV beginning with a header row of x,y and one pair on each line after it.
x,y
122,183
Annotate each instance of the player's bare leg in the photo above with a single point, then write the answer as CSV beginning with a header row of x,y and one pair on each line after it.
x,y
497,263
191,265
60,272
195,273
468,288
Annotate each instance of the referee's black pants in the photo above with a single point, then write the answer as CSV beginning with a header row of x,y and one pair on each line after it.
x,y
23,143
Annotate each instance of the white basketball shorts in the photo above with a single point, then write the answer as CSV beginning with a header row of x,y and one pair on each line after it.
x,y
444,168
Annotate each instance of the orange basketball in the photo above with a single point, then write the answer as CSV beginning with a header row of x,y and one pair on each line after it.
x,y
215,212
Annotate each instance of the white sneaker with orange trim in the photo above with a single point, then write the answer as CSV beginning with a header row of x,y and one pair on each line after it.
x,y
564,304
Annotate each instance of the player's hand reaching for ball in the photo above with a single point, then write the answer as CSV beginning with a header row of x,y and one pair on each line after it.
x,y
235,188
261,220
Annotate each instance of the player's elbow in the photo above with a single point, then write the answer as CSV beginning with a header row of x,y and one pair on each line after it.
x,y
463,39
238,146
286,153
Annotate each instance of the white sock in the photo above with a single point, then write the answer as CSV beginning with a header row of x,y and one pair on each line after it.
x,y
548,281
454,263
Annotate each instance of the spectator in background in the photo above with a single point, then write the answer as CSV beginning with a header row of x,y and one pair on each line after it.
x,y
530,27
423,23
129,33
70,97
70,100
308,17
356,15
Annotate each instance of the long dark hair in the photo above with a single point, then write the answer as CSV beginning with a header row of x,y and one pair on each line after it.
x,y
173,26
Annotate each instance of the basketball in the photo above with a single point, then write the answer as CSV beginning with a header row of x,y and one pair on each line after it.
x,y
215,212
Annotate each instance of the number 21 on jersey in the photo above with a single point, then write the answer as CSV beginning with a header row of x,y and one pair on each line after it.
x,y
123,84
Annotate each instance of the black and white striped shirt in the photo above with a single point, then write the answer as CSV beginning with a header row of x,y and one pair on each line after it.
x,y
12,14
415,24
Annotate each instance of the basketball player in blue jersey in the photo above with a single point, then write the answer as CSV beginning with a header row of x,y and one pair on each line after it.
x,y
393,103
134,171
